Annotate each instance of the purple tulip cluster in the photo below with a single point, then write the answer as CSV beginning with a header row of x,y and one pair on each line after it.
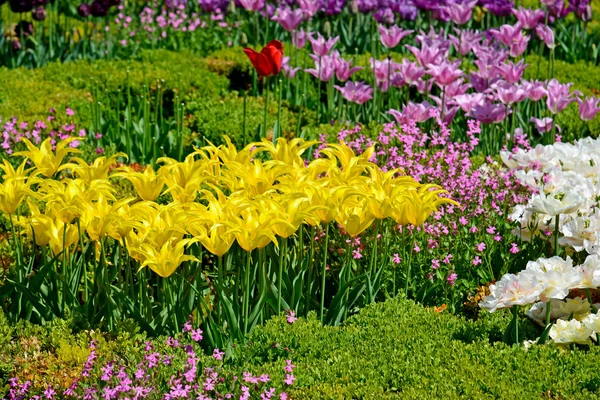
x,y
98,8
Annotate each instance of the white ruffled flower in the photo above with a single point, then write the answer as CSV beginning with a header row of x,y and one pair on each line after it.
x,y
555,203
556,276
577,308
582,233
573,331
512,290
589,272
592,321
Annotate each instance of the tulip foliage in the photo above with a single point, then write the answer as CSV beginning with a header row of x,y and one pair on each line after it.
x,y
229,235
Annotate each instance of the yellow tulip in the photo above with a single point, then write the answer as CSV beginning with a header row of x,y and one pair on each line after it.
x,y
100,216
292,211
40,224
355,216
98,170
182,173
47,163
147,184
287,152
252,227
165,260
12,193
414,206
9,170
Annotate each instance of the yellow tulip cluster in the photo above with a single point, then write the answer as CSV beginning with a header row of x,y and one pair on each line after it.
x,y
219,195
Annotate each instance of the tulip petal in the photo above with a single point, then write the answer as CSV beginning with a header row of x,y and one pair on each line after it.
x,y
259,61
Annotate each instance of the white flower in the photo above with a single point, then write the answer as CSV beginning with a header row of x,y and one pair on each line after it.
x,y
573,331
582,233
577,308
512,290
556,275
589,272
592,321
556,203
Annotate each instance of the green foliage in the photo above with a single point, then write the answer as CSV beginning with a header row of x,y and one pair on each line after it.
x,y
211,118
29,94
398,349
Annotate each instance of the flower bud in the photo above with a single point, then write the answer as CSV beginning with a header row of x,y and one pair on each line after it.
x,y
39,14
327,29
84,10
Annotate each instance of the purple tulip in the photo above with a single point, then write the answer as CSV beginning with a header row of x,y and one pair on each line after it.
x,y
489,113
324,67
288,71
391,37
509,94
550,3
320,46
410,71
427,54
334,7
499,8
456,88
310,7
558,10
343,69
406,10
459,13
512,72
465,41
545,33
356,92
519,46
559,96
84,10
535,90
253,5
468,101
542,125
384,16
412,112
529,18
446,72
507,34
588,108
288,18
39,14
299,38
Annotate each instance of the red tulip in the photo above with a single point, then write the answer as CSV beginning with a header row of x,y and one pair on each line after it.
x,y
268,61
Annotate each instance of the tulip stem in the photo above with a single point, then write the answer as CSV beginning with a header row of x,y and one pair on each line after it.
x,y
282,248
310,264
244,118
324,271
266,87
246,300
547,313
556,250
373,256
588,294
279,129
319,96
408,270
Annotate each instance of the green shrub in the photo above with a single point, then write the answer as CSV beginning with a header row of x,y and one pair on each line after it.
x,y
398,349
395,349
211,118
29,94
